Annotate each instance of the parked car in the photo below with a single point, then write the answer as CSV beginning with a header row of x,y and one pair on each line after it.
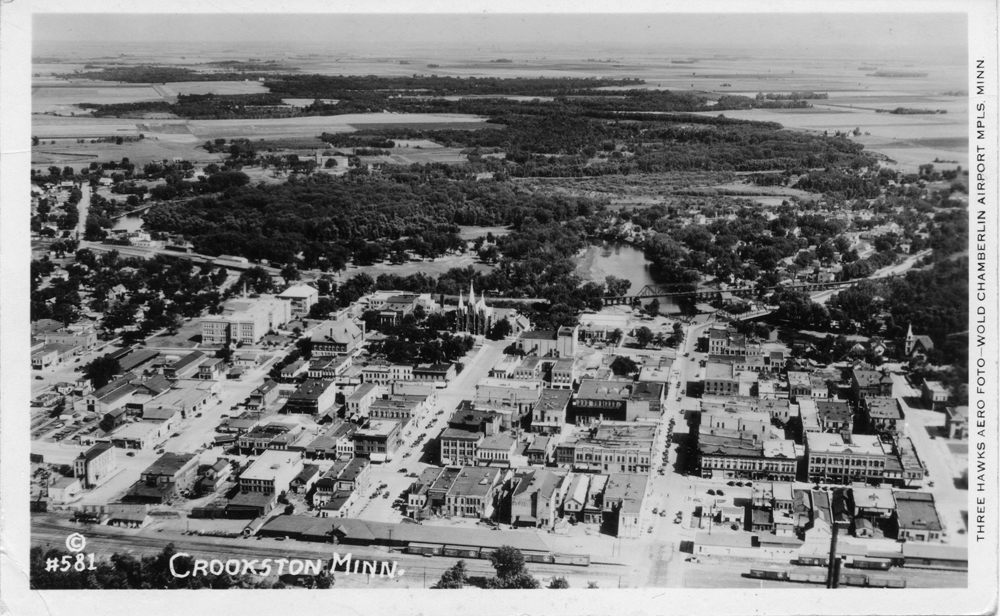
x,y
130,454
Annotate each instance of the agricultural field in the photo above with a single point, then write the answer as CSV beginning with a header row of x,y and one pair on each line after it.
x,y
62,97
168,139
174,88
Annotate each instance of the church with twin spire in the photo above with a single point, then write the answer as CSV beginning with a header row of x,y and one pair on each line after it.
x,y
473,316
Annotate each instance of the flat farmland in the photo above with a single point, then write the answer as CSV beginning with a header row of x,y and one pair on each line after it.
x,y
173,88
314,125
911,140
62,97
170,138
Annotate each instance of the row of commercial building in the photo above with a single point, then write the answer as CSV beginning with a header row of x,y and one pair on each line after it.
x,y
531,497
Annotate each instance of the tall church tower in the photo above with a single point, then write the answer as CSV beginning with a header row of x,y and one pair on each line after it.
x,y
909,339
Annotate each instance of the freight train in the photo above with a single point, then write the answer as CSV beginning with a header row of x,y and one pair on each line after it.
x,y
815,577
531,556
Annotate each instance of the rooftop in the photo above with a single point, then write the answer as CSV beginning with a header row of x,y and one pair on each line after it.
x,y
858,444
169,464
916,510
591,389
883,408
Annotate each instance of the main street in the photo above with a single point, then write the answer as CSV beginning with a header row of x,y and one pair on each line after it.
x,y
413,457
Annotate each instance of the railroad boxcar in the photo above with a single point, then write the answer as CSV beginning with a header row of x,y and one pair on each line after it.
x,y
853,579
532,556
881,564
807,577
582,560
812,561
769,574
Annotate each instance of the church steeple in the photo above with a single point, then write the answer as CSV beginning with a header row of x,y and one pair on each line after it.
x,y
461,304
472,295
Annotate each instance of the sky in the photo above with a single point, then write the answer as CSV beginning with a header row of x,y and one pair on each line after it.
x,y
809,33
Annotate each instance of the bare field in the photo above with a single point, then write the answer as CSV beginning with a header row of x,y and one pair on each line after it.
x,y
173,88
139,152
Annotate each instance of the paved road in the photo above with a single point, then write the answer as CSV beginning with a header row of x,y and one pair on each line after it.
x,y
944,467
431,422
821,297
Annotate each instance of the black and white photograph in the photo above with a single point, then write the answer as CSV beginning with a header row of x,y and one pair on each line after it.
x,y
681,309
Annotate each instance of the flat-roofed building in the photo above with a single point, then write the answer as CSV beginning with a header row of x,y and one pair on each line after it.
x,y
439,373
496,450
94,466
245,321
777,408
272,472
562,342
656,370
881,414
799,384
873,503
459,447
549,414
463,491
336,442
755,424
732,454
956,422
541,450
903,467
595,326
598,400
916,517
835,416
845,458
397,407
313,397
169,476
773,495
530,369
623,447
564,374
809,416
300,299
377,440
504,369
511,398
360,401
138,435
343,478
721,379
51,354
934,393
867,383
623,498
329,368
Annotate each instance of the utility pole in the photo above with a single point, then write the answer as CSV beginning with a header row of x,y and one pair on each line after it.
x,y
833,566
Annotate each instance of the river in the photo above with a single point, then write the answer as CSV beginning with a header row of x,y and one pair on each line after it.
x,y
130,222
624,261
